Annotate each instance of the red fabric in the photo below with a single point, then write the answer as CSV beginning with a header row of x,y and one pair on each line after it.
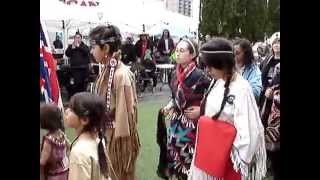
x,y
213,148
143,48
183,72
230,173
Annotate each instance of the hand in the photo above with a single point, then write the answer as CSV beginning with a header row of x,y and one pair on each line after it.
x,y
192,112
73,45
165,111
269,93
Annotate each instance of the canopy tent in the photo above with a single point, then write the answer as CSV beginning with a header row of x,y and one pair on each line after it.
x,y
60,17
178,25
176,31
130,16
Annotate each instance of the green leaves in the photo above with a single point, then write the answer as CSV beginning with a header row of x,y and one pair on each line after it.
x,y
253,17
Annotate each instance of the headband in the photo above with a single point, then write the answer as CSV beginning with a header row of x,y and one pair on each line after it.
x,y
217,52
102,41
191,44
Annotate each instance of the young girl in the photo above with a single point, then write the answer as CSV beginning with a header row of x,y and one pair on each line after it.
x,y
188,85
230,99
53,159
116,86
87,157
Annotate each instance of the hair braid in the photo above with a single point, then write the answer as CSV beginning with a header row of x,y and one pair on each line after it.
x,y
225,94
102,155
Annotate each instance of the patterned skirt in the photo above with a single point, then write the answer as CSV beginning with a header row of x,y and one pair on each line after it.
x,y
180,144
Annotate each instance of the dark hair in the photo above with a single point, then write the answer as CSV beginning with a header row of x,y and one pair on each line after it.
x,y
92,107
107,35
245,45
195,45
78,33
51,117
165,30
223,61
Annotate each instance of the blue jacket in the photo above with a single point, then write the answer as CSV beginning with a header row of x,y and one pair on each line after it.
x,y
252,73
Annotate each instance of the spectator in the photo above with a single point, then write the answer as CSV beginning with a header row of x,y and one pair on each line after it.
x,y
79,59
165,46
246,66
142,45
128,51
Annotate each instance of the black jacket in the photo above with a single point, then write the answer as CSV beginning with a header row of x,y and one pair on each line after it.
x,y
58,44
79,56
128,53
162,46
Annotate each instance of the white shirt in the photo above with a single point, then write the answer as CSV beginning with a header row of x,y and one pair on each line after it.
x,y
166,41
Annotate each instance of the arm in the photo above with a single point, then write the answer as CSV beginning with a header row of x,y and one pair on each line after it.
x,y
171,46
250,133
45,153
125,113
255,82
69,51
84,49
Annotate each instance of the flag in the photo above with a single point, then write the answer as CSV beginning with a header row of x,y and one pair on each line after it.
x,y
49,84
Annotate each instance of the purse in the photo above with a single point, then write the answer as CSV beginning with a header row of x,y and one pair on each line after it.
x,y
213,147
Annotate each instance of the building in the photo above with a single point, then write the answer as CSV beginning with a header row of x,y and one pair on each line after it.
x,y
183,7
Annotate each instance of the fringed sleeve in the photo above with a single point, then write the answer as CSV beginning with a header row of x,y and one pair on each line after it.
x,y
248,152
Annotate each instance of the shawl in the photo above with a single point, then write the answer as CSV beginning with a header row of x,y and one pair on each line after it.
x,y
248,154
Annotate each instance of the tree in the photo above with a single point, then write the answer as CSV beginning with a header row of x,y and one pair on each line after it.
x,y
249,18
273,16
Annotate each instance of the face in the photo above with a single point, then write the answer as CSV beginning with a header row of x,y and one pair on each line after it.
x,y
77,38
71,119
129,40
99,53
182,53
239,54
276,47
166,34
143,37
214,73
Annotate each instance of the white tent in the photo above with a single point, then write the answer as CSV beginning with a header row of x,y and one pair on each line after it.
x,y
177,31
128,15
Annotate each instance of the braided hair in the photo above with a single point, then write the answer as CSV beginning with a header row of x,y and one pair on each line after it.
x,y
92,107
218,53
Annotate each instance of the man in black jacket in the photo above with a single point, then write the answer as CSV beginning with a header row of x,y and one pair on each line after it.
x,y
128,51
78,54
